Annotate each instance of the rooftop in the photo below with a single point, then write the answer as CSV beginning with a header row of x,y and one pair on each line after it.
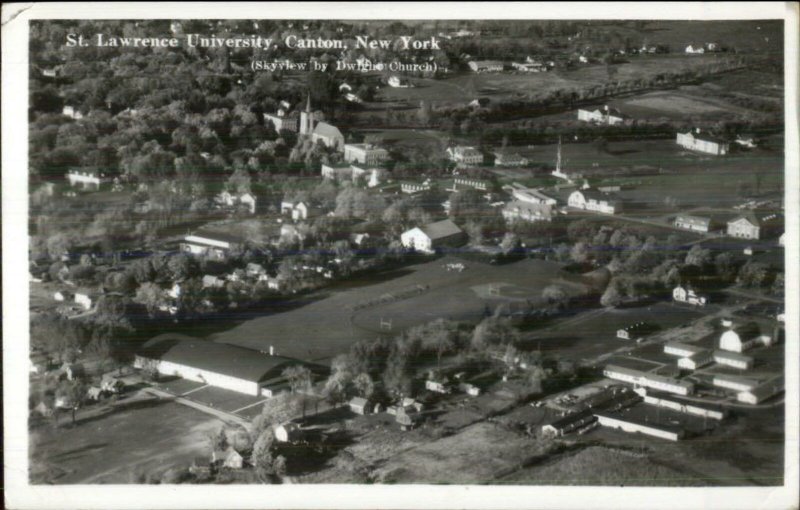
x,y
441,229
215,357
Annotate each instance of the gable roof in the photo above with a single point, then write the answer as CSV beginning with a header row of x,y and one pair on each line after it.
x,y
534,209
327,130
597,196
756,218
441,229
225,359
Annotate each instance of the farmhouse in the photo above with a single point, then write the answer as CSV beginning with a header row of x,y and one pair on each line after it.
x,y
687,295
607,116
704,143
693,223
532,196
465,155
743,337
633,425
86,178
733,382
485,66
592,200
365,153
569,423
648,380
526,211
503,158
215,245
762,392
752,225
429,238
733,359
222,365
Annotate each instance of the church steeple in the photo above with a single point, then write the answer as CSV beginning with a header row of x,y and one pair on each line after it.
x,y
307,118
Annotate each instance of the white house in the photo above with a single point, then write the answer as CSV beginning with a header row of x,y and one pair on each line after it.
x,y
217,364
396,82
704,143
743,337
86,178
695,50
300,210
428,238
411,188
465,155
71,112
288,433
687,295
359,405
228,199
592,200
693,223
365,153
485,66
86,298
752,225
607,116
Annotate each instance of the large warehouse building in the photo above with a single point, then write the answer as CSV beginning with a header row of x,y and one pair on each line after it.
x,y
222,365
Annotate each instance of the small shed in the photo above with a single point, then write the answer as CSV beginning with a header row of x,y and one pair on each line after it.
x,y
359,405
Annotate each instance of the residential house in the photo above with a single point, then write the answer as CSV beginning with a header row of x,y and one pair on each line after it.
x,y
300,210
465,155
485,66
506,159
693,223
71,112
592,200
365,153
429,238
606,116
87,178
247,200
700,142
695,49
525,211
228,458
685,294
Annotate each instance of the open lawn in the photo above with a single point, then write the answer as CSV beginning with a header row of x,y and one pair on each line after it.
x,y
149,438
594,332
328,322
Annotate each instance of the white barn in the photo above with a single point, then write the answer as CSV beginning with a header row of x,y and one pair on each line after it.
x,y
706,144
222,365
432,236
743,337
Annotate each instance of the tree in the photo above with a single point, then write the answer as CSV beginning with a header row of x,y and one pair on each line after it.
x,y
698,256
262,457
73,394
363,385
556,296
580,252
611,298
218,441
151,296
277,410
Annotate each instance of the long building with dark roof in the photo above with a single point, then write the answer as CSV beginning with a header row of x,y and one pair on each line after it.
x,y
217,364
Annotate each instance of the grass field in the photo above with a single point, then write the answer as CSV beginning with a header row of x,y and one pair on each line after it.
x,y
327,324
108,449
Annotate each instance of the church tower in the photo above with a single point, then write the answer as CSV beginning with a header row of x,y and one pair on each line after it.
x,y
307,118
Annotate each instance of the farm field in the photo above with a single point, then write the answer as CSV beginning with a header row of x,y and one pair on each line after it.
x,y
416,295
150,438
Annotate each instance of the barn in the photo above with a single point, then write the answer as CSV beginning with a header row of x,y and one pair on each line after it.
x,y
743,337
216,364
432,236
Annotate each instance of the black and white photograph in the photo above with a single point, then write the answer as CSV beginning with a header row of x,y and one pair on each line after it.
x,y
406,249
